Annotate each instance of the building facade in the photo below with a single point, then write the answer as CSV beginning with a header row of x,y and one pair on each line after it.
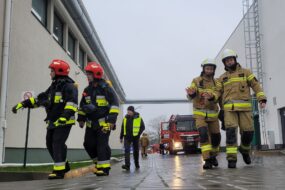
x,y
271,36
40,31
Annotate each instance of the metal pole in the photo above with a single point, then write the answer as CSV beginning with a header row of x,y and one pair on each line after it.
x,y
27,138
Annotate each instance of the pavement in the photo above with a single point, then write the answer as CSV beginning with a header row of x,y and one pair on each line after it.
x,y
267,171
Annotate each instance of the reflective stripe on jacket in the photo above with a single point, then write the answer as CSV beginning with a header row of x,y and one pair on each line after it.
x,y
234,89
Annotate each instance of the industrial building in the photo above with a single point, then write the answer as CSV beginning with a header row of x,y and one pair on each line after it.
x,y
259,42
33,33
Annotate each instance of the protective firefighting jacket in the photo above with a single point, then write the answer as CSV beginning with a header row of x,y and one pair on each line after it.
x,y
99,105
60,102
234,89
204,108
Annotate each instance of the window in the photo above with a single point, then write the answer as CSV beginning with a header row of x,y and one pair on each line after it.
x,y
185,126
58,29
39,9
165,126
71,46
81,58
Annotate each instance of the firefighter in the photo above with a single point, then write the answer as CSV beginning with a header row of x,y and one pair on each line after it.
x,y
234,88
60,103
205,109
144,142
99,108
131,130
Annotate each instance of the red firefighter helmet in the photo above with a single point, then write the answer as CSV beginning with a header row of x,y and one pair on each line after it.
x,y
96,69
60,67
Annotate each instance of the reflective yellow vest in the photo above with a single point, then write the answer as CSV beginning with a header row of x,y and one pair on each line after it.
x,y
136,126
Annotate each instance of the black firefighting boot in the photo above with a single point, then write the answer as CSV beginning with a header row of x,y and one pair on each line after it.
x,y
57,174
207,165
232,163
67,167
102,172
214,161
125,167
246,158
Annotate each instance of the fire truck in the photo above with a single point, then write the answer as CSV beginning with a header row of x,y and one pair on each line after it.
x,y
180,134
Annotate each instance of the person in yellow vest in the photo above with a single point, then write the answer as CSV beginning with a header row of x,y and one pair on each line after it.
x,y
132,128
144,142
234,88
205,109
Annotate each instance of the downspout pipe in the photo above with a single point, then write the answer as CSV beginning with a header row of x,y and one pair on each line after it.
x,y
4,78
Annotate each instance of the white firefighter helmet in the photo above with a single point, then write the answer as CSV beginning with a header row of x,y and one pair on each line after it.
x,y
228,53
209,61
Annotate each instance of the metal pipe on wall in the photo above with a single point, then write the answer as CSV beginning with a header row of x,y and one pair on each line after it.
x,y
4,78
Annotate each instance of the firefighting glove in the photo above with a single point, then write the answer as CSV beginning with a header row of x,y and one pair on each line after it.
x,y
106,128
16,107
89,108
60,121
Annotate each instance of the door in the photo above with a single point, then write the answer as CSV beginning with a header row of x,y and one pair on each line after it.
x,y
282,116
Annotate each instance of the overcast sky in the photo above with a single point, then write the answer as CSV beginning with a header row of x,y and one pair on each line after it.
x,y
156,46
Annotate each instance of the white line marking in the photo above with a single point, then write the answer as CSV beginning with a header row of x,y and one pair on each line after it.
x,y
213,181
202,187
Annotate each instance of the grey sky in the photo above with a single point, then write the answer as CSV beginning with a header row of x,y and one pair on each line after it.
x,y
156,46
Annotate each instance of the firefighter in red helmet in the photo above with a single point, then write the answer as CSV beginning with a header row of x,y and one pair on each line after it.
x,y
60,102
99,109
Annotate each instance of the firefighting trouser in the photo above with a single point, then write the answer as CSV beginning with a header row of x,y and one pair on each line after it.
x,y
127,144
96,144
233,120
143,150
210,136
55,142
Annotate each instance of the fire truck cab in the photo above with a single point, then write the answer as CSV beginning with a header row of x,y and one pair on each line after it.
x,y
180,134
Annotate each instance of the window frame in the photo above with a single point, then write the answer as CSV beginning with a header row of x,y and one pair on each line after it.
x,y
56,16
40,17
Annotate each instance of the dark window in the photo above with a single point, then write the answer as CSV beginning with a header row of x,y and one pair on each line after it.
x,y
81,58
39,9
185,126
58,29
71,46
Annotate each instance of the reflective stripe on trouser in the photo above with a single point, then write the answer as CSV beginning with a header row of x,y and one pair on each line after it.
x,y
215,151
59,166
206,149
103,164
244,148
238,105
243,119
231,152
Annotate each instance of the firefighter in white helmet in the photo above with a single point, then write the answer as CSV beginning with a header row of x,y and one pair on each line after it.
x,y
205,109
234,89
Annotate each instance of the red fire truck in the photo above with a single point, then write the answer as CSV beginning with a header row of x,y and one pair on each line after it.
x,y
180,134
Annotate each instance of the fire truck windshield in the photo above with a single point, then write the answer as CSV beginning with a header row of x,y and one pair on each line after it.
x,y
185,126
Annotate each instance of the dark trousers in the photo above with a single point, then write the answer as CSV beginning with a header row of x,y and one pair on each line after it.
x,y
96,144
55,142
127,144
